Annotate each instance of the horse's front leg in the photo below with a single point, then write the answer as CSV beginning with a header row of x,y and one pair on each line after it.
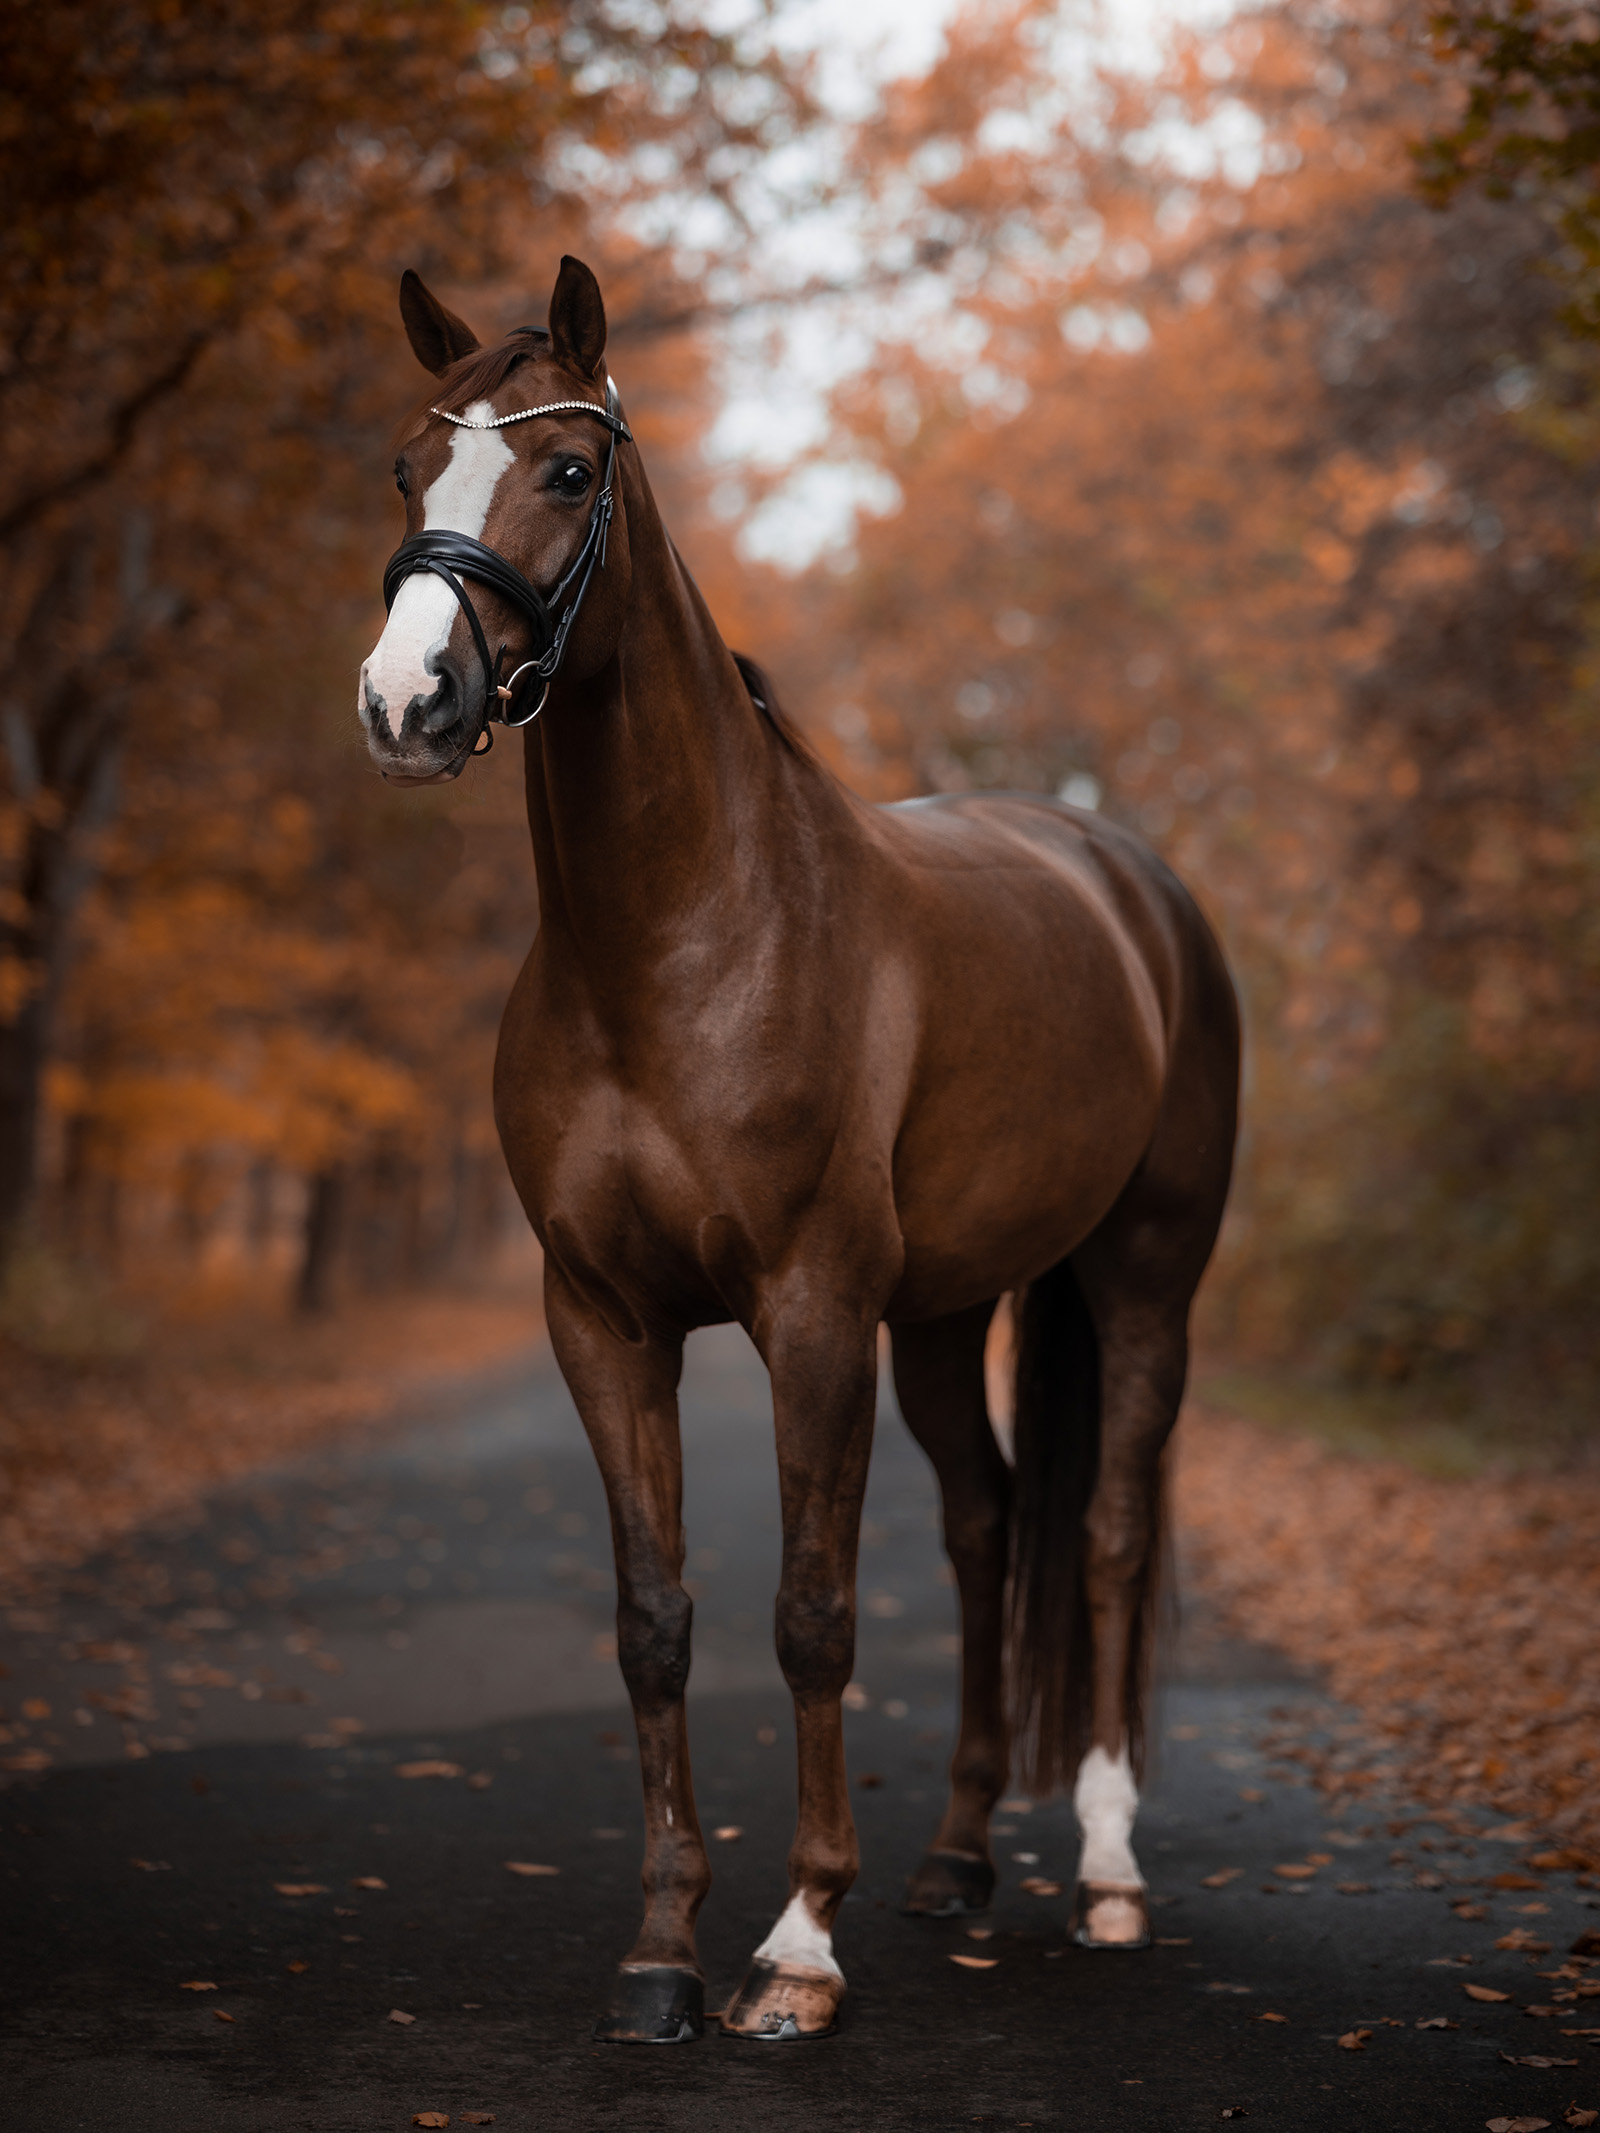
x,y
627,1395
824,1377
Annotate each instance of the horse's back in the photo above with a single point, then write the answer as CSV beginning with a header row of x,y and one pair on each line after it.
x,y
1025,869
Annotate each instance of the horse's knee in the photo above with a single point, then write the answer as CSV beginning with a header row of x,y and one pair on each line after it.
x,y
976,1535
1121,1536
653,1633
816,1638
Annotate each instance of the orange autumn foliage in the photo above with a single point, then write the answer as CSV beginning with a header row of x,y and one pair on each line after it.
x,y
242,988
1260,507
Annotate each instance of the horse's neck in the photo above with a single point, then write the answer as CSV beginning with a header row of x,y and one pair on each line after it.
x,y
638,776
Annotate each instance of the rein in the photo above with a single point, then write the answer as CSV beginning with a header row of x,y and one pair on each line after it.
x,y
456,556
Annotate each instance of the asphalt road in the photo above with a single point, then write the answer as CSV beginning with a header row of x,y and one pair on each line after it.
x,y
234,1708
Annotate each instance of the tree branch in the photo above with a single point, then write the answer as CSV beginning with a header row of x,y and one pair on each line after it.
x,y
124,428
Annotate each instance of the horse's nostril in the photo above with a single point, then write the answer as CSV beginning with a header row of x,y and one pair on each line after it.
x,y
444,707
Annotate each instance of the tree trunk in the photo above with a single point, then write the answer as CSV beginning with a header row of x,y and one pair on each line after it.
x,y
324,1225
22,1057
63,752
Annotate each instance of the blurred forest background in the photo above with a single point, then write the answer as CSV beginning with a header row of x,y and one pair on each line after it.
x,y
1223,435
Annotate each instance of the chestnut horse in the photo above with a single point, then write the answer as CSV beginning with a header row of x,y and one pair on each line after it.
x,y
782,1057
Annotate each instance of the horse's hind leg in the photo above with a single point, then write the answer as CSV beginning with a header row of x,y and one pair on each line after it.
x,y
1143,1358
938,1374
1138,1273
626,1393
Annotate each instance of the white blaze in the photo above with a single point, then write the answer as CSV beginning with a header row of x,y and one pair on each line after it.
x,y
424,612
1106,1800
797,1938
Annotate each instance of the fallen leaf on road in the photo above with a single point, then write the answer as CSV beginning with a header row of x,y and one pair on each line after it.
x,y
1535,2059
36,1708
729,1833
1587,1943
477,2118
1319,1858
1173,1942
980,1932
152,1866
480,1781
296,1968
1294,1873
1469,1910
197,1984
976,1962
431,2118
1516,2125
1355,2040
528,1866
1221,1878
1436,2022
1354,1888
1269,2018
398,2014
1573,2116
1541,2013
30,1760
221,2017
300,1888
1484,1992
368,1881
1036,1885
1513,1881
1520,1937
430,1767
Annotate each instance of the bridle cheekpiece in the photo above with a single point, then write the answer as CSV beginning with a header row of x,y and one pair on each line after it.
x,y
455,556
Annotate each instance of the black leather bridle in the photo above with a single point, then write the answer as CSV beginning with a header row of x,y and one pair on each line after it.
x,y
454,556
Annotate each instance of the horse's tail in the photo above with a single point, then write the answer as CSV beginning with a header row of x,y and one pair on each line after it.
x,y
1049,1659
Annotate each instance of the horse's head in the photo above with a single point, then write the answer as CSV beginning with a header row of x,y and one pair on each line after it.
x,y
511,511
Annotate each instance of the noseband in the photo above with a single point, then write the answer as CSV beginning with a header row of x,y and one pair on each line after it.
x,y
454,556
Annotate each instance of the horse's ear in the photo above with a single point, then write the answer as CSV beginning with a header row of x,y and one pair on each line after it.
x,y
438,338
577,319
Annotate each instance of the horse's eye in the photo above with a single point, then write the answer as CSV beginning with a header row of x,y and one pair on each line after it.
x,y
400,481
573,478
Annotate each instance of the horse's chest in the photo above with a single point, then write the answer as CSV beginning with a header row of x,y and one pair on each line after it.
x,y
664,1190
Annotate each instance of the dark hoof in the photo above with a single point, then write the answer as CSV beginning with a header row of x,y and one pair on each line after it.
x,y
653,2005
783,2003
949,1885
1110,1917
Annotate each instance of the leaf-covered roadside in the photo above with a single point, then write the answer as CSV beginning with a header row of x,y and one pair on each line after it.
x,y
1456,1616
88,1455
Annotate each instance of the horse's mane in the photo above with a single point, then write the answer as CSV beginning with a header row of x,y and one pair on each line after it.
x,y
766,702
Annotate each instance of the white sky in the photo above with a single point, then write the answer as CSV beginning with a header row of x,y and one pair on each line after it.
x,y
776,416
